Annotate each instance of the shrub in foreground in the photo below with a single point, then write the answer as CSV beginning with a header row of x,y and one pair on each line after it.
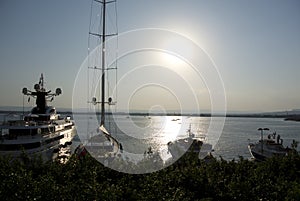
x,y
187,179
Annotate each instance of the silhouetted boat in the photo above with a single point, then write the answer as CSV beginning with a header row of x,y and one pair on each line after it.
x,y
42,132
190,144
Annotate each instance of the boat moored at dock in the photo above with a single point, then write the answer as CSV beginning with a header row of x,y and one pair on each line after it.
x,y
267,148
41,133
190,143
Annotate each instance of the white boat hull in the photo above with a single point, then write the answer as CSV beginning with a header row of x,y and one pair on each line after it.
x,y
48,146
266,150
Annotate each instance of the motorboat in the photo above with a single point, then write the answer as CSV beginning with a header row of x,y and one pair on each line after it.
x,y
191,143
269,147
40,133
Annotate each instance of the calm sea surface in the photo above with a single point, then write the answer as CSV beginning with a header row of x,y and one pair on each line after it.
x,y
138,133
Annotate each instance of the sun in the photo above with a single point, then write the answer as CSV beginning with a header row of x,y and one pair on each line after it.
x,y
171,59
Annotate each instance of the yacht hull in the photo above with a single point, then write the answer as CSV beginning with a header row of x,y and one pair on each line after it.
x,y
48,145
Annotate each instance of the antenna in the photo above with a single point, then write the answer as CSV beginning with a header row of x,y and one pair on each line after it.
x,y
41,95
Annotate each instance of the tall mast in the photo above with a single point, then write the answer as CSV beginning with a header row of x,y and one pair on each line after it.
x,y
102,35
103,66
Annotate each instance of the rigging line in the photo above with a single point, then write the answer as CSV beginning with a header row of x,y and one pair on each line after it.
x,y
100,21
108,84
98,51
117,51
103,64
111,21
89,51
112,66
109,118
90,61
95,61
92,21
96,73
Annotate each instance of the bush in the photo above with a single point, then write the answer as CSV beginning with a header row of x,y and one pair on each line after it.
x,y
187,179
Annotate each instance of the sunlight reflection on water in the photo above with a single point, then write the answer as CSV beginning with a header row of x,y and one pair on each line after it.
x,y
157,131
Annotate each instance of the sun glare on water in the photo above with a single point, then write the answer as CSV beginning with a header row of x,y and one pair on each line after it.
x,y
172,128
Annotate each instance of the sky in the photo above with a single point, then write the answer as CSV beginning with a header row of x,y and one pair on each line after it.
x,y
252,46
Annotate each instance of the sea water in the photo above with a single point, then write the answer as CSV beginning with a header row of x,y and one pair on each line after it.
x,y
138,133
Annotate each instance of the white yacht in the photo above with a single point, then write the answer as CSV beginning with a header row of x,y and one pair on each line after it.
x,y
42,132
267,148
190,144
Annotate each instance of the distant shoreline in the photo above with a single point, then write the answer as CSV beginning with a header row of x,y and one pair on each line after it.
x,y
293,118
285,117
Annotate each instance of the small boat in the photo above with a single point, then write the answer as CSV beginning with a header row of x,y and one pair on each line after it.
x,y
42,132
190,144
267,148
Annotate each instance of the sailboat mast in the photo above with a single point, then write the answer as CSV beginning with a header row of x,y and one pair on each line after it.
x,y
102,35
103,66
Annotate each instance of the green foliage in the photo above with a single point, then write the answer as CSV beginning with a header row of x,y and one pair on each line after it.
x,y
187,179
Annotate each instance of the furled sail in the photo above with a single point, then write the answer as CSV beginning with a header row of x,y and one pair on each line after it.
x,y
110,138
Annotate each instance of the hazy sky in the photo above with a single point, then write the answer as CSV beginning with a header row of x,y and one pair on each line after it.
x,y
254,44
